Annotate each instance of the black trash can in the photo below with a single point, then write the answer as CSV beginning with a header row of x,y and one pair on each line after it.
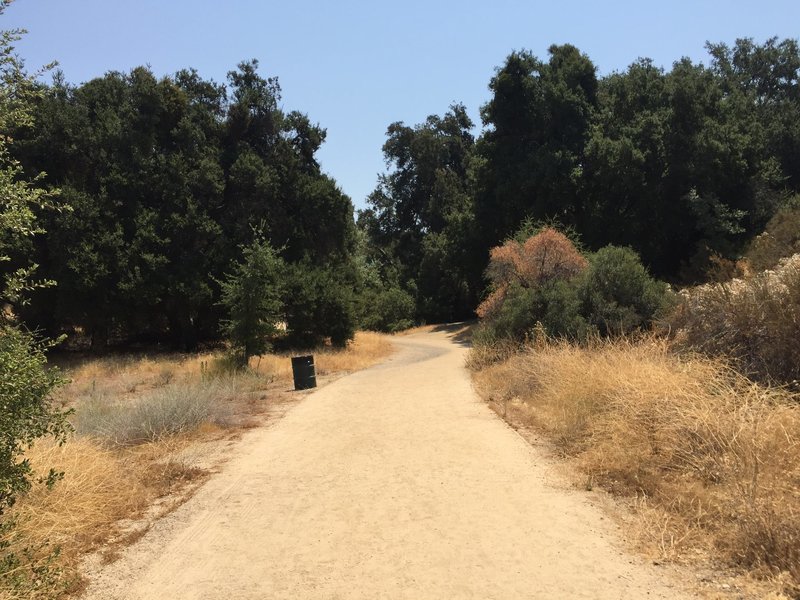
x,y
303,370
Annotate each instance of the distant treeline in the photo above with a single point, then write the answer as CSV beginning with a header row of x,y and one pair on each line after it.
x,y
684,166
164,181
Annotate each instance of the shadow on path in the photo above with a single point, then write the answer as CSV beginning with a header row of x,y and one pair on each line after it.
x,y
459,333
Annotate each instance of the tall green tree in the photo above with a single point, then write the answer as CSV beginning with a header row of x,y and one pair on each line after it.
x,y
167,176
420,216
536,124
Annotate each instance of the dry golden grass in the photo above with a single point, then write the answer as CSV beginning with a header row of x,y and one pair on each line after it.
x,y
106,482
367,349
128,375
99,487
82,511
417,329
711,459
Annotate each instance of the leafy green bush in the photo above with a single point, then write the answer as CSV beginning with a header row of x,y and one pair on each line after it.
x,y
555,305
613,295
389,310
617,294
27,411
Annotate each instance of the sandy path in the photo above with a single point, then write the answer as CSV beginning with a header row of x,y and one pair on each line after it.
x,y
394,482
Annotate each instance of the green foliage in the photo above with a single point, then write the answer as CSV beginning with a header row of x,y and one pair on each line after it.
x,y
320,303
252,296
543,282
388,310
683,166
671,164
617,294
167,176
27,413
533,283
381,303
421,221
554,306
537,123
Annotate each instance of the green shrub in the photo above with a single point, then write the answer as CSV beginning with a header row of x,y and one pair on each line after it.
x,y
389,310
555,305
516,314
613,295
561,310
27,410
617,294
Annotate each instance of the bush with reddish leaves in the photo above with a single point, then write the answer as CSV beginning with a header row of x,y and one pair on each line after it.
x,y
545,280
541,259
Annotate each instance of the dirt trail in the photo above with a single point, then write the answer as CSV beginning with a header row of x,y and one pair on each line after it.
x,y
394,482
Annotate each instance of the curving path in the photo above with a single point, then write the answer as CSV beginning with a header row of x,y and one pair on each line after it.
x,y
394,482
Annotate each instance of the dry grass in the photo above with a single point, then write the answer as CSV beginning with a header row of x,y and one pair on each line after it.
x,y
711,459
755,321
127,375
82,511
158,414
136,417
367,349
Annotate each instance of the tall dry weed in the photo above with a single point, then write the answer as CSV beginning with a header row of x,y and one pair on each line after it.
x,y
712,458
755,321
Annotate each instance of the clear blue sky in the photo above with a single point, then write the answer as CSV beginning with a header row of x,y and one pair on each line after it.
x,y
356,66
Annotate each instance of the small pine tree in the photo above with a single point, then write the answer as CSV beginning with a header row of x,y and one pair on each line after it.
x,y
251,293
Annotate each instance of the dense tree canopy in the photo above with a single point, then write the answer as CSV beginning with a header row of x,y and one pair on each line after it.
x,y
682,165
166,178
420,216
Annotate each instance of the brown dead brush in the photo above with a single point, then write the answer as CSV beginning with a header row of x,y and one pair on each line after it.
x,y
754,321
711,458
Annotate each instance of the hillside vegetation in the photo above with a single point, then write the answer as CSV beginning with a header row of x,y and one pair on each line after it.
x,y
645,392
